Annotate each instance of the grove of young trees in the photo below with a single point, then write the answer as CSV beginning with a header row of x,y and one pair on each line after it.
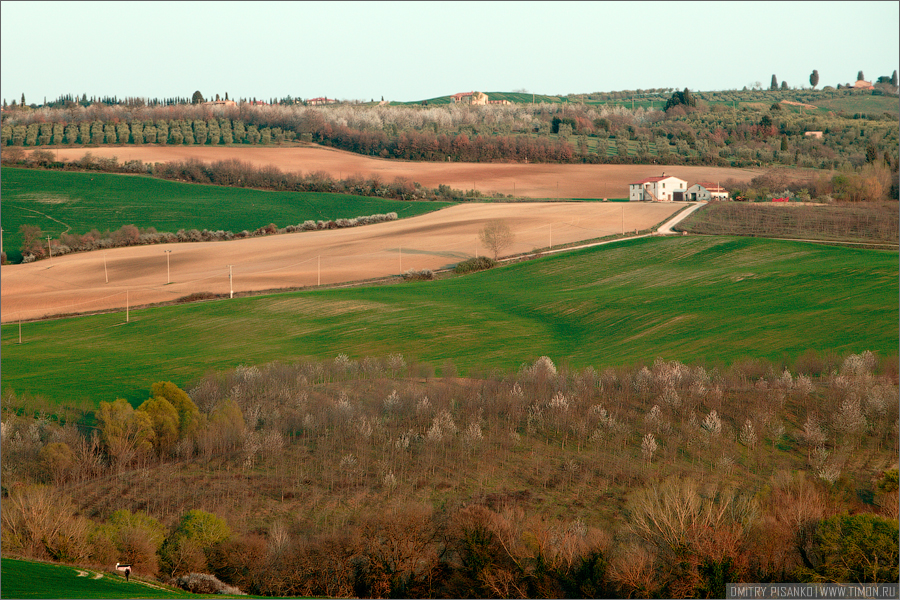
x,y
371,477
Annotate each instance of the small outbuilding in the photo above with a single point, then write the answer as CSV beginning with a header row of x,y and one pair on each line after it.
x,y
706,192
658,189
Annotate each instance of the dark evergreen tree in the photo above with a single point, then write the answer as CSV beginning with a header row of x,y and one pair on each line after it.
x,y
860,76
685,98
894,78
774,85
871,153
814,78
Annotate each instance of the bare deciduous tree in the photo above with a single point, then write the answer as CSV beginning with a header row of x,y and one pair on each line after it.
x,y
496,237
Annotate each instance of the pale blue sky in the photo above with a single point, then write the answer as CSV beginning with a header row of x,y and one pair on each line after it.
x,y
414,50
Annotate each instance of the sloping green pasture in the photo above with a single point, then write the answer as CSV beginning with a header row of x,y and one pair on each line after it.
x,y
694,299
28,579
56,201
869,104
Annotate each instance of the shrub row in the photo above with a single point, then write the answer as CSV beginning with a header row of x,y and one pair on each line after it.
x,y
129,235
471,265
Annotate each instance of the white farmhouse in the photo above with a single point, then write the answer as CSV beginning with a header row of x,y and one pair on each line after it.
x,y
658,189
706,192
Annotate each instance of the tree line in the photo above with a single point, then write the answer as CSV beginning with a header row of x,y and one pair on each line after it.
x,y
690,128
746,473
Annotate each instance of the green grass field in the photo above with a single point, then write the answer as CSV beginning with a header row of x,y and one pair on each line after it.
x,y
56,201
871,105
29,579
695,299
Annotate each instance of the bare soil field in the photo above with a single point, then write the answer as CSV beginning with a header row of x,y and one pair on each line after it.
x,y
141,275
526,180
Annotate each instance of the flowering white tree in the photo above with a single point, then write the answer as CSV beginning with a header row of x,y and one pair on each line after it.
x,y
713,424
748,434
648,447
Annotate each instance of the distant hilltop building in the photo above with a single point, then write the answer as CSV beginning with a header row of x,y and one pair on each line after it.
x,y
320,101
220,103
477,98
861,85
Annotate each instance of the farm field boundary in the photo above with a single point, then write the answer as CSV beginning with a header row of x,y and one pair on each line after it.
x,y
79,202
711,300
132,276
543,180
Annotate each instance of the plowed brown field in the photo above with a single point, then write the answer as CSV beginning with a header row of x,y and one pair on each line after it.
x,y
527,180
140,275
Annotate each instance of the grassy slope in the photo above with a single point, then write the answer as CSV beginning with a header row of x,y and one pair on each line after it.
x,y
84,201
28,579
873,105
711,299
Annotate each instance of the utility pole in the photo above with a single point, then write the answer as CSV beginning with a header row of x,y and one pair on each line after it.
x,y
230,284
49,250
168,276
319,269
126,306
105,272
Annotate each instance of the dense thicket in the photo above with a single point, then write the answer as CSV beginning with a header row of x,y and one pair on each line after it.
x,y
371,477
